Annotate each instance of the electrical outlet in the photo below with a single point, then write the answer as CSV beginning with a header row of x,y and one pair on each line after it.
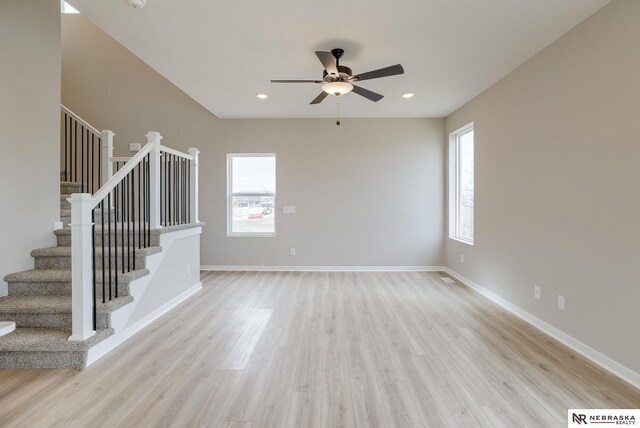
x,y
188,268
537,291
461,258
561,302
292,252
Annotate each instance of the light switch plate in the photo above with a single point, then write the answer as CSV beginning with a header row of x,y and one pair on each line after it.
x,y
561,302
288,209
135,147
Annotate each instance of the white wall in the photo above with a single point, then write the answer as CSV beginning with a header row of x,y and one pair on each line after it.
x,y
29,129
367,193
174,272
173,277
557,175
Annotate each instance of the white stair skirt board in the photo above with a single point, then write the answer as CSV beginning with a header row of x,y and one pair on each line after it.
x,y
6,327
583,349
244,268
109,344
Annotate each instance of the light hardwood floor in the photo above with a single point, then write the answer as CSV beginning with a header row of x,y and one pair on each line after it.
x,y
322,349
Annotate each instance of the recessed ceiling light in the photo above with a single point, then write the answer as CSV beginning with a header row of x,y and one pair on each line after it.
x,y
407,95
262,96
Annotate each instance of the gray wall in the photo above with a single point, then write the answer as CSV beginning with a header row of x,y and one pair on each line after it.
x,y
557,176
370,192
29,129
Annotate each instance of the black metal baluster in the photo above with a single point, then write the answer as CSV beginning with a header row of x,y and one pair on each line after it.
x,y
161,198
91,156
99,162
168,186
104,265
65,146
115,206
75,149
175,189
125,195
172,189
167,201
82,157
148,201
93,257
161,193
139,206
133,216
122,213
142,205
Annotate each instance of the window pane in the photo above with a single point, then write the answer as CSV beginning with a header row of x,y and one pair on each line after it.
x,y
252,214
465,185
254,174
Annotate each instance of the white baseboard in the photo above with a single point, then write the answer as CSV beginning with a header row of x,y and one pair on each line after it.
x,y
588,352
244,268
110,343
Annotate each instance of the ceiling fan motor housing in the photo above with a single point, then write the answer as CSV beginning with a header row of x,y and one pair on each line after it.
x,y
344,74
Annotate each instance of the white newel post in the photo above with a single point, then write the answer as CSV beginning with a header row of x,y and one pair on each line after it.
x,y
194,185
154,172
107,154
81,266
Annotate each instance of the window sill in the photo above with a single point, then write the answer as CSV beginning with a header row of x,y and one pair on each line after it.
x,y
464,241
251,235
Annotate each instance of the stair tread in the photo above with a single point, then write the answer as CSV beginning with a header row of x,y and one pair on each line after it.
x,y
48,340
53,304
40,275
65,251
36,304
64,275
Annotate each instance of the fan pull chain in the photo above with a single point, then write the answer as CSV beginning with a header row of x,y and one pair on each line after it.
x,y
338,114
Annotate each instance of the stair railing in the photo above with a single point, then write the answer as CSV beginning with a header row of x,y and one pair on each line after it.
x,y
156,187
84,152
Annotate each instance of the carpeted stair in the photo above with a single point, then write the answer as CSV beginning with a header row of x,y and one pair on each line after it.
x,y
39,300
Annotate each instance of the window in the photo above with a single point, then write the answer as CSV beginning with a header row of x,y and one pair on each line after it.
x,y
461,181
67,8
251,201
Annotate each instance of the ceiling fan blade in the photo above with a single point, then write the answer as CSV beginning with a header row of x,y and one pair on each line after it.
x,y
297,81
370,95
381,72
328,62
319,98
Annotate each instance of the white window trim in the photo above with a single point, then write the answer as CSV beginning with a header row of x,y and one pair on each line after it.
x,y
453,174
230,157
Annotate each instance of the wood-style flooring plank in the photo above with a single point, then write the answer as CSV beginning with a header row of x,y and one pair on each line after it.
x,y
329,349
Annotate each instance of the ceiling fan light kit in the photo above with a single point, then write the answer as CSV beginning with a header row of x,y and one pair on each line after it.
x,y
337,88
339,80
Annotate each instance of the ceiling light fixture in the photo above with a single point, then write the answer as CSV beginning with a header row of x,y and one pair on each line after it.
x,y
262,96
136,4
407,95
337,88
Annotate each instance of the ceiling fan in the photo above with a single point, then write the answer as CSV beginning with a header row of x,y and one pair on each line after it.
x,y
339,79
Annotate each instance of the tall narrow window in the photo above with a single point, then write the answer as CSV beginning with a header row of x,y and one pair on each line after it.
x,y
461,183
251,194
67,8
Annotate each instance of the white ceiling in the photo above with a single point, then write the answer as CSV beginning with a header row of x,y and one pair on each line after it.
x,y
222,53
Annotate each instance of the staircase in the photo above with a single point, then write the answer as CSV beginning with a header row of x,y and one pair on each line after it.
x,y
62,309
39,302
